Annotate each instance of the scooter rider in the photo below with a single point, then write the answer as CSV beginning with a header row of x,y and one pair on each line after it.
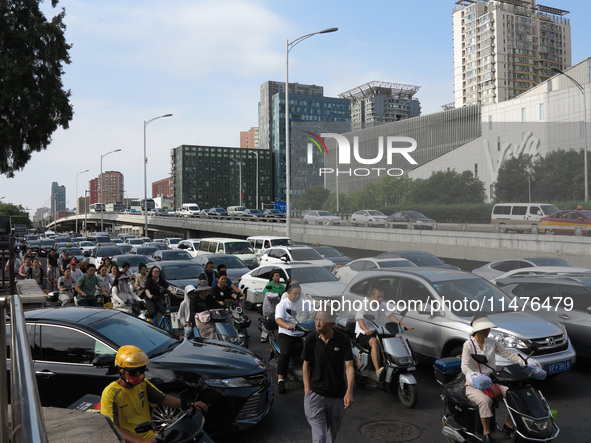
x,y
127,400
365,329
481,344
290,339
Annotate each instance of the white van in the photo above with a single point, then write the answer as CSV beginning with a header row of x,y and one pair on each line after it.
x,y
260,243
235,211
520,216
240,248
190,209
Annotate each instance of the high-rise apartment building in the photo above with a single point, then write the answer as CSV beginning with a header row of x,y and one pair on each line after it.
x,y
502,48
250,139
214,176
309,111
112,188
58,198
376,103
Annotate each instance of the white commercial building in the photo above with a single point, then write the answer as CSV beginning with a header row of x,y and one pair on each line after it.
x,y
547,117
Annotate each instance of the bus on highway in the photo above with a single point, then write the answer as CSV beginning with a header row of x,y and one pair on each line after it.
x,y
97,207
138,205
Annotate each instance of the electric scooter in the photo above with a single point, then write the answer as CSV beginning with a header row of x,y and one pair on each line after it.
x,y
396,355
526,405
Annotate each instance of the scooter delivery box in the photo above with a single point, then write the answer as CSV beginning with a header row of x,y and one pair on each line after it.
x,y
447,368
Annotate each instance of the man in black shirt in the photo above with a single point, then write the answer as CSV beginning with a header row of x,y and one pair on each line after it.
x,y
208,274
328,378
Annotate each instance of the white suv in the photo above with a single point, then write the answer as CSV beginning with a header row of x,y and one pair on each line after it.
x,y
294,254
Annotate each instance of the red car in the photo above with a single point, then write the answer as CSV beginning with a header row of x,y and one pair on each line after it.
x,y
565,222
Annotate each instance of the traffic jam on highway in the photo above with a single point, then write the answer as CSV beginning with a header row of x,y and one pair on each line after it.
x,y
235,323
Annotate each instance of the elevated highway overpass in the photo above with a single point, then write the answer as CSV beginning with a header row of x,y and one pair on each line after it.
x,y
467,242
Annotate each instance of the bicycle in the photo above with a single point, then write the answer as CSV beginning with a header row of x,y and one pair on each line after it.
x,y
163,321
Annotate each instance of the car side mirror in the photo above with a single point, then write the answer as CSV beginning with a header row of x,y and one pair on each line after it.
x,y
105,361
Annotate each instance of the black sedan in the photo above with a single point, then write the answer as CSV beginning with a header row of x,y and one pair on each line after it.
x,y
65,342
418,220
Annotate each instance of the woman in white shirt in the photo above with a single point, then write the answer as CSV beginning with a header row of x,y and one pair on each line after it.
x,y
122,295
480,343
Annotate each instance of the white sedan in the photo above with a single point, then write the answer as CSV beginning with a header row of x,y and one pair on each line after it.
x,y
292,254
317,282
347,272
369,216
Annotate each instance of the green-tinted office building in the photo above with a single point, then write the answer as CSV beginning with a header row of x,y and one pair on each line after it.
x,y
210,176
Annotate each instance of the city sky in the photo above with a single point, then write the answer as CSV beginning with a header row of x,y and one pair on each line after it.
x,y
204,62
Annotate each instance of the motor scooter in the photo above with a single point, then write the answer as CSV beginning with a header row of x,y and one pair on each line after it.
x,y
241,320
525,404
223,322
187,428
307,327
396,355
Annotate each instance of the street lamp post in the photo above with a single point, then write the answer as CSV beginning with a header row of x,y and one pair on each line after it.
x,y
528,178
101,179
146,123
257,178
86,212
288,47
582,90
77,205
239,176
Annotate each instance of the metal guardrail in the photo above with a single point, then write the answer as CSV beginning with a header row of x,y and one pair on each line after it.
x,y
26,415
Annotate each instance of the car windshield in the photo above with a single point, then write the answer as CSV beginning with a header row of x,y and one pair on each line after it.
x,y
242,247
135,241
324,214
256,211
469,295
230,262
71,251
133,260
275,211
549,209
422,259
174,241
145,250
305,254
176,255
47,243
108,251
86,243
414,215
182,271
125,329
376,213
328,251
310,274
397,264
550,261
281,242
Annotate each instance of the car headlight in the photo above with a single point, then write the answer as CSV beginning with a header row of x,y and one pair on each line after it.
x,y
508,341
239,382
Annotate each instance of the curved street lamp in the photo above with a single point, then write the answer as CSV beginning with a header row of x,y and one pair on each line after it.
x,y
78,201
582,90
288,47
146,123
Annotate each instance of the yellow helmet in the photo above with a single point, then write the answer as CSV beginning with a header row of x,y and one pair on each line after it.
x,y
130,356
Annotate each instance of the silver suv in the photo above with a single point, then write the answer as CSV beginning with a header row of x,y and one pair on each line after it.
x,y
441,304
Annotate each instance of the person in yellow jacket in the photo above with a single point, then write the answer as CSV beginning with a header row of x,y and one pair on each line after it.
x,y
127,400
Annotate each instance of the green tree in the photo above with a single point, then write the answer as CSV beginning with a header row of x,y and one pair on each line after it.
x,y
447,187
18,213
559,176
33,103
510,185
313,198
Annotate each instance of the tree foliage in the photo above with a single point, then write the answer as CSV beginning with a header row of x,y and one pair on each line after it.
x,y
313,198
33,103
559,176
18,213
447,187
512,183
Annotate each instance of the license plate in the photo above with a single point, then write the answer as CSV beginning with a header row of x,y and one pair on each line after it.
x,y
559,366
